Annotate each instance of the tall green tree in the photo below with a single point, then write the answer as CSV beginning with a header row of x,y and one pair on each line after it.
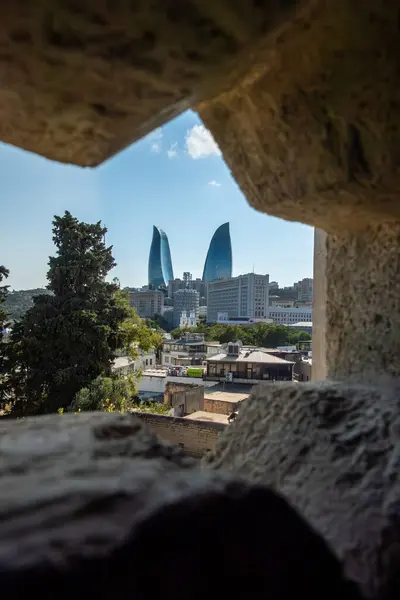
x,y
4,273
135,333
3,322
70,337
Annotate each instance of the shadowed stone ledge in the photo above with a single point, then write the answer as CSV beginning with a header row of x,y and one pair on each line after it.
x,y
93,506
333,450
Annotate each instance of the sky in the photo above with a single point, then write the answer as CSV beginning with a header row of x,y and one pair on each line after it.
x,y
174,178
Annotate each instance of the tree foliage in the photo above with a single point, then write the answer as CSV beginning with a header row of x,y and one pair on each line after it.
x,y
135,332
19,301
264,335
107,394
4,273
69,338
158,322
3,322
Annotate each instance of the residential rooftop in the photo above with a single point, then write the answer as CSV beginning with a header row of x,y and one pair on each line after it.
x,y
232,393
201,415
255,356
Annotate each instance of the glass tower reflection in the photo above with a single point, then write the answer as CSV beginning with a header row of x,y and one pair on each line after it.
x,y
219,256
160,264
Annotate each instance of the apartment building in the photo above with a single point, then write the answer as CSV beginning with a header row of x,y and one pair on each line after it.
x,y
147,303
242,296
305,289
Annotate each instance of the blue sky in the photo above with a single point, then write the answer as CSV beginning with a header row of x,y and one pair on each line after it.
x,y
174,178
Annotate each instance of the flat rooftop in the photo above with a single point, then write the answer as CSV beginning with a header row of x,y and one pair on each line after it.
x,y
230,393
201,415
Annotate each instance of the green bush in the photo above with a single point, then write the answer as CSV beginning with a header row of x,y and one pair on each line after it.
x,y
107,394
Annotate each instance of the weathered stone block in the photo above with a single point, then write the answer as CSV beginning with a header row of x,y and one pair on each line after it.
x,y
333,450
94,506
82,79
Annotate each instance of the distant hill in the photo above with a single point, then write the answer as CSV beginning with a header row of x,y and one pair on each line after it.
x,y
19,301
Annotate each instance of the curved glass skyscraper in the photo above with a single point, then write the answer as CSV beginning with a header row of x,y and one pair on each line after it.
x,y
219,256
160,264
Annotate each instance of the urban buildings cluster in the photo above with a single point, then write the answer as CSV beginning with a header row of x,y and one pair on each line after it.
x,y
218,297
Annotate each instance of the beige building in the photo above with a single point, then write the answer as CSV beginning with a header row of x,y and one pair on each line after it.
x,y
147,303
242,296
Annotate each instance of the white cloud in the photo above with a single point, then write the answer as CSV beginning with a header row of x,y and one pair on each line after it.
x,y
155,138
215,183
200,143
173,152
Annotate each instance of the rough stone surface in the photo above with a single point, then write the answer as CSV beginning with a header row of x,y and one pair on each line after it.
x,y
312,133
81,79
333,450
319,364
363,304
93,506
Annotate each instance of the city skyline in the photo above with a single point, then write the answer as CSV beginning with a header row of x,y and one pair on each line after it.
x,y
175,177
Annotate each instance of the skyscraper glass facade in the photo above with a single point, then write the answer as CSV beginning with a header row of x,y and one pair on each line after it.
x,y
219,256
160,263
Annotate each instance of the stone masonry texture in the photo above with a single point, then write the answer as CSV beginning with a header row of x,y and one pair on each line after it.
x,y
334,451
303,98
90,503
81,79
196,438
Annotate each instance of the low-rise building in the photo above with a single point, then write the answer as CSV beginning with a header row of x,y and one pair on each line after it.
x,y
183,398
248,366
188,320
190,349
289,316
223,399
224,319
303,369
124,364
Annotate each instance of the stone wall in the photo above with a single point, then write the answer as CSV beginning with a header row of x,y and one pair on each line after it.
x,y
186,395
195,437
219,407
303,99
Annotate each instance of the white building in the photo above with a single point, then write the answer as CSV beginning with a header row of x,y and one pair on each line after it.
x,y
289,316
242,296
124,364
188,320
185,301
223,319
